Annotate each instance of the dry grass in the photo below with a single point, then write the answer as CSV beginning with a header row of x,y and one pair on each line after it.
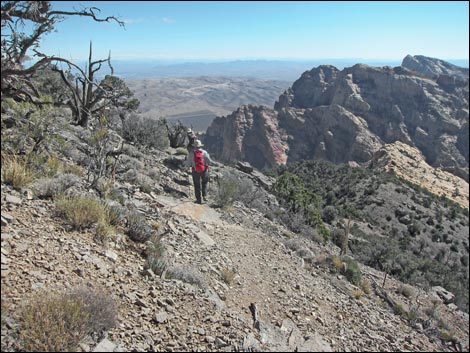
x,y
57,322
366,286
80,212
16,171
337,263
228,275
52,323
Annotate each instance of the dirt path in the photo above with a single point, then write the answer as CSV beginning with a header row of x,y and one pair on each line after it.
x,y
251,252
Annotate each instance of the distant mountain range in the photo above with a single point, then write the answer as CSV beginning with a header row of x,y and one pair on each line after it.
x,y
282,70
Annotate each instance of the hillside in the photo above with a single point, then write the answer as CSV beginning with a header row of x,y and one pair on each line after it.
x,y
197,101
188,277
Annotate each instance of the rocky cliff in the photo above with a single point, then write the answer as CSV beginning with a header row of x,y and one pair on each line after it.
x,y
350,114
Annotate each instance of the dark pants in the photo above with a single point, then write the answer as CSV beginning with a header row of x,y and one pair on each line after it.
x,y
200,181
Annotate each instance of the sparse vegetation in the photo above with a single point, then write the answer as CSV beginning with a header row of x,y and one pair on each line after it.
x,y
187,274
57,322
16,171
352,271
47,187
80,212
137,227
402,249
228,275
155,259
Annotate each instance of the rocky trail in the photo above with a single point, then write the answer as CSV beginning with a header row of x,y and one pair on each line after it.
x,y
245,284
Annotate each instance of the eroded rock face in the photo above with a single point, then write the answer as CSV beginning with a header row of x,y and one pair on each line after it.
x,y
251,134
349,114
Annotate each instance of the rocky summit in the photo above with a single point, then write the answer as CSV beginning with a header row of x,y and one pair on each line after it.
x,y
348,115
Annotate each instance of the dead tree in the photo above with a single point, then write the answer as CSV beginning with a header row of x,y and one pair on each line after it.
x,y
23,25
344,243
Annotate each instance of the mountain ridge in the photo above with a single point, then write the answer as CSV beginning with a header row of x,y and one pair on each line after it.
x,y
366,107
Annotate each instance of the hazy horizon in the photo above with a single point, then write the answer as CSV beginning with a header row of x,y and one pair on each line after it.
x,y
264,69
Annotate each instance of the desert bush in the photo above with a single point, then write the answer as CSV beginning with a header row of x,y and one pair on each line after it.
x,y
114,213
294,244
400,310
81,211
357,294
57,322
329,214
228,275
187,275
155,259
296,222
130,163
52,323
144,182
47,187
145,131
99,307
337,236
73,169
226,190
366,286
352,272
104,232
16,171
137,227
337,263
406,290
182,151
305,254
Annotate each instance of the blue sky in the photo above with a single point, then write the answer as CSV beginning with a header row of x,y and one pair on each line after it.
x,y
225,30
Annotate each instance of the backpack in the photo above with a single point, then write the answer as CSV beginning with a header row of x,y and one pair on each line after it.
x,y
200,167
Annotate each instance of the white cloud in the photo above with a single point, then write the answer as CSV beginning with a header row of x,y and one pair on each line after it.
x,y
132,21
168,20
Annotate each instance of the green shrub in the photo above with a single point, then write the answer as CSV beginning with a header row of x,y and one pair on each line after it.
x,y
146,131
226,190
329,214
156,257
352,273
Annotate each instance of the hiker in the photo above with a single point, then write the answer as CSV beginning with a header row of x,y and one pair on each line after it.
x,y
199,161
191,140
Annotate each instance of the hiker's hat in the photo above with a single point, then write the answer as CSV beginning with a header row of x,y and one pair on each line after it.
x,y
198,143
190,131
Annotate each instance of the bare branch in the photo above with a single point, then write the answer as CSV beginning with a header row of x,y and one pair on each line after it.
x,y
90,13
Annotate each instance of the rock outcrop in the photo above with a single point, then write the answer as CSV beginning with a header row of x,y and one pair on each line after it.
x,y
409,164
251,134
350,114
